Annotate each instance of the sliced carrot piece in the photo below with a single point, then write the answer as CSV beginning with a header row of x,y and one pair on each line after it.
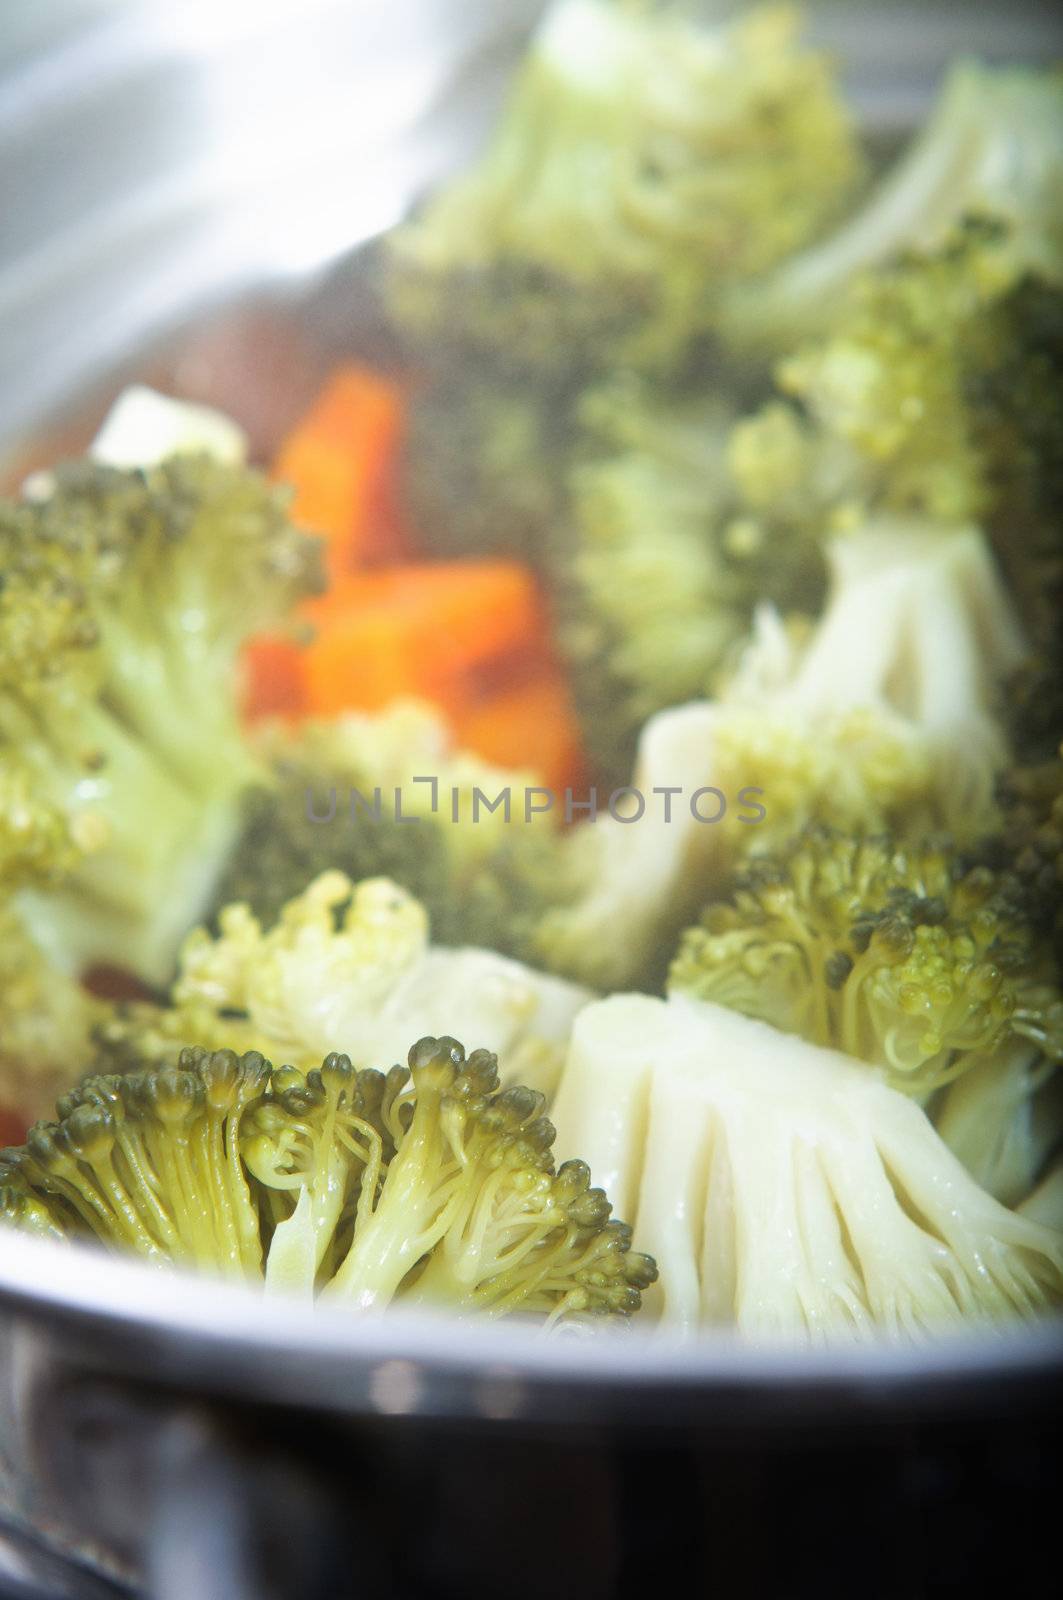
x,y
273,677
342,459
529,724
415,629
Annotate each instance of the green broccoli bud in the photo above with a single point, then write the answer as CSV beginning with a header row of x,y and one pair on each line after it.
x,y
120,636
642,162
150,1163
472,1193
431,1186
894,954
660,583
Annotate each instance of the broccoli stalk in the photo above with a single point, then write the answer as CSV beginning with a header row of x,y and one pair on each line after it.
x,y
127,598
785,1189
990,149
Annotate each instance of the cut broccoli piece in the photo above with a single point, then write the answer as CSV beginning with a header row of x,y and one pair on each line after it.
x,y
661,579
431,1186
642,162
783,1188
936,392
482,875
149,1163
352,963
892,954
992,148
882,718
126,600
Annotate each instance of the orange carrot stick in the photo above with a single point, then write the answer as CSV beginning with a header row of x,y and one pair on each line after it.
x,y
529,724
341,459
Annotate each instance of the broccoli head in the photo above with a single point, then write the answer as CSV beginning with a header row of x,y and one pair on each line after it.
x,y
389,795
934,393
660,578
127,597
429,1186
344,961
894,954
641,163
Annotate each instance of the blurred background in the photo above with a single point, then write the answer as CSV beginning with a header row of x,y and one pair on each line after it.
x,y
159,157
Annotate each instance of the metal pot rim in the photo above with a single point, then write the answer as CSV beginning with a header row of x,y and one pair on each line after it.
x,y
126,1318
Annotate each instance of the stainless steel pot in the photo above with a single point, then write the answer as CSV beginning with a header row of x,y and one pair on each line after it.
x,y
161,1434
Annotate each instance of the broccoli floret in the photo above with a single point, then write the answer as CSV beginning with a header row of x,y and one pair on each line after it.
x,y
149,1163
481,875
642,163
127,597
785,1189
883,716
660,579
893,954
431,1186
934,393
992,149
350,962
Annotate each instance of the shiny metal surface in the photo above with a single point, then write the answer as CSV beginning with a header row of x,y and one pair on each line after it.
x,y
159,158
119,1318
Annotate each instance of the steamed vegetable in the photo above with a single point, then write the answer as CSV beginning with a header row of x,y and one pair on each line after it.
x,y
391,795
119,698
656,588
351,963
894,954
884,717
784,1188
991,149
642,163
427,1186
